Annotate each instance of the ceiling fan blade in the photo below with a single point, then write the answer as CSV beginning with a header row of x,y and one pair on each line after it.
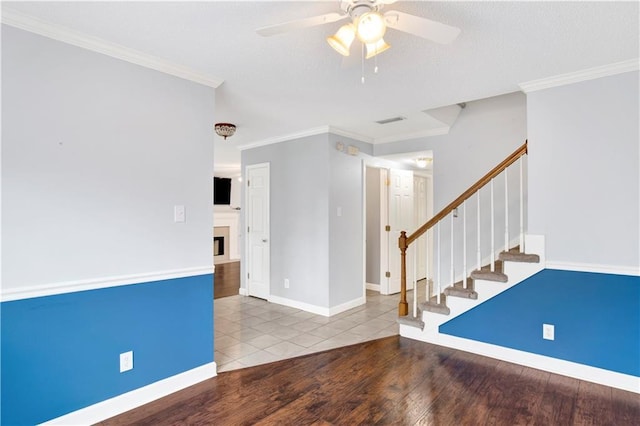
x,y
285,27
422,27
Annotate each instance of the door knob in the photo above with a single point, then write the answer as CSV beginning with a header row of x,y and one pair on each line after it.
x,y
264,240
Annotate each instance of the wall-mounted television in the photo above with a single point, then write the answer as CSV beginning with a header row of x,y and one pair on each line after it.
x,y
222,191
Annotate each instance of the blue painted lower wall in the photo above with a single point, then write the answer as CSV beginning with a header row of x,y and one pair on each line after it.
x,y
61,353
596,319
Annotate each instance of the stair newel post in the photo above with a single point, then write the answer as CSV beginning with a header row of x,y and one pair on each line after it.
x,y
403,306
493,237
506,210
521,206
464,243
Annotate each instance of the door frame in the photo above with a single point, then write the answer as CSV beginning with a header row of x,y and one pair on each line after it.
x,y
385,237
247,205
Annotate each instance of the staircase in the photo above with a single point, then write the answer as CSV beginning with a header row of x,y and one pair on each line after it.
x,y
456,300
491,276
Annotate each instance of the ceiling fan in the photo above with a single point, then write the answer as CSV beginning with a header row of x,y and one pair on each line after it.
x,y
369,25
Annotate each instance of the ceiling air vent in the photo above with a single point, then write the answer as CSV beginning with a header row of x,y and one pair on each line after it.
x,y
391,120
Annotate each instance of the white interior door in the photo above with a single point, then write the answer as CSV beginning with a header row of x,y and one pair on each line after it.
x,y
401,218
420,209
257,221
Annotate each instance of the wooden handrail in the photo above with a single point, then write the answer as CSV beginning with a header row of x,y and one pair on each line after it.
x,y
404,241
469,192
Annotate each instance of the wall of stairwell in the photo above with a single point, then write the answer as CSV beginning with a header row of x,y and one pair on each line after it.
x,y
584,191
485,133
584,197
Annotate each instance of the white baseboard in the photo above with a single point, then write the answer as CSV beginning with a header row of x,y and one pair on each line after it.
x,y
127,401
346,306
373,287
318,310
243,291
98,283
600,269
540,362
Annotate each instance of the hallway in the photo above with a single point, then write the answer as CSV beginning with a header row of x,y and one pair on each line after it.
x,y
250,331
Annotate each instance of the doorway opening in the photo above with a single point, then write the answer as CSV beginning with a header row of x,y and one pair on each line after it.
x,y
395,200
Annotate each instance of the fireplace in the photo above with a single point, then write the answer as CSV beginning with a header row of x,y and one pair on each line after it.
x,y
220,244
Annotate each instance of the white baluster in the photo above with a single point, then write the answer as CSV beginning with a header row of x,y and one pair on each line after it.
x,y
479,258
438,261
452,271
415,281
506,211
464,244
493,237
426,265
521,207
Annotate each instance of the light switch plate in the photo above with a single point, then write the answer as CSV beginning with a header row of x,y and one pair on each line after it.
x,y
178,214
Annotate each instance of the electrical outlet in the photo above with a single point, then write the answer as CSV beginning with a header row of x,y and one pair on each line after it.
x,y
126,361
286,283
548,331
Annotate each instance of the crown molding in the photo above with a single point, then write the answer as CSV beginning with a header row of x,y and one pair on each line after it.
x,y
414,135
283,138
57,32
583,75
351,135
304,133
345,133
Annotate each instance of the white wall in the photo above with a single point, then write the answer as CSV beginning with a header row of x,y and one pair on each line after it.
x,y
584,171
95,154
374,227
346,234
299,234
485,133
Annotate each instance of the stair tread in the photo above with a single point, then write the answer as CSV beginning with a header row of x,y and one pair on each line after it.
x,y
411,321
459,291
488,275
459,284
433,306
517,256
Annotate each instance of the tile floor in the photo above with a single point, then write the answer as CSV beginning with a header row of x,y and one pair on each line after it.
x,y
250,331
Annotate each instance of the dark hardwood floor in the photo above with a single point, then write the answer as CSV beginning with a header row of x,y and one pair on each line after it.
x,y
394,381
226,281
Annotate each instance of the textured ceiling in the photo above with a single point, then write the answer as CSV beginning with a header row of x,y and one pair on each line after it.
x,y
293,82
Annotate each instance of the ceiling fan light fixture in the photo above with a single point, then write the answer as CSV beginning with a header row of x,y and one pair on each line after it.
x,y
342,39
370,27
376,48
